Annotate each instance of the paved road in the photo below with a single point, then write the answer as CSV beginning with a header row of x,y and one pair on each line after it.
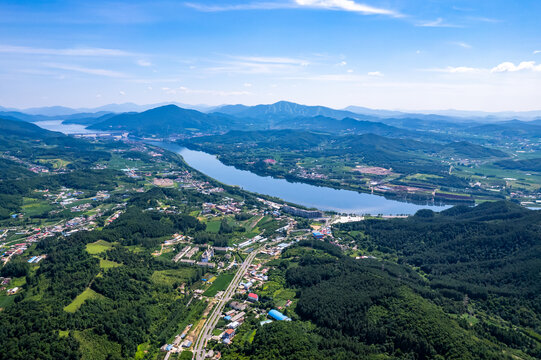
x,y
206,331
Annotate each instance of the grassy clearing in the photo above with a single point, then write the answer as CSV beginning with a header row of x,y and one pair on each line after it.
x,y
80,299
170,277
214,226
219,284
107,264
98,247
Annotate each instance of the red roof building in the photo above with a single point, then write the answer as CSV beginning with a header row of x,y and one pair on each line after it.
x,y
253,297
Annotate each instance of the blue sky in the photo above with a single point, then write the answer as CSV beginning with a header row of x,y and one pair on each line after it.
x,y
409,55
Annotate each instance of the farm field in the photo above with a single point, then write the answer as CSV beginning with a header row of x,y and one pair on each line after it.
x,y
219,284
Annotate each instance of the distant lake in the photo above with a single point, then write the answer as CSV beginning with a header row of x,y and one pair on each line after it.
x,y
323,198
56,125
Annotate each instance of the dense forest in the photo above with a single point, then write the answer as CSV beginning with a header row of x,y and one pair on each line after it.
x,y
129,306
372,309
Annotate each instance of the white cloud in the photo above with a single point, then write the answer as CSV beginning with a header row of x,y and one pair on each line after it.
x,y
342,5
537,52
342,63
85,70
375,73
142,62
122,93
346,5
247,85
9,49
439,22
510,67
350,71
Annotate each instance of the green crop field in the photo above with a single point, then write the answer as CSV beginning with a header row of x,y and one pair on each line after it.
x,y
98,247
34,207
219,284
80,299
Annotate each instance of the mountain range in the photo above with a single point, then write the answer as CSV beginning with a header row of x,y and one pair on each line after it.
x,y
285,107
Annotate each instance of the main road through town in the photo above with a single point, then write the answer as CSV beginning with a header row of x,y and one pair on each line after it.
x,y
206,331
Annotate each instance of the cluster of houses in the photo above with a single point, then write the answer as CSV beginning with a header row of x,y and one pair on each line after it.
x,y
181,342
186,180
229,206
305,174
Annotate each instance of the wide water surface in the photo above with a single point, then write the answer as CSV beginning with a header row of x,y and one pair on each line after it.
x,y
343,201
324,198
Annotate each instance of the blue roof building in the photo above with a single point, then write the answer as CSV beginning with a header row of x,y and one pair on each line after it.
x,y
276,315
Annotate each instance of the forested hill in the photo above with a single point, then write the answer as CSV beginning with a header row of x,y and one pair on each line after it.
x,y
462,284
35,158
285,110
346,125
296,140
166,120
10,128
490,253
29,143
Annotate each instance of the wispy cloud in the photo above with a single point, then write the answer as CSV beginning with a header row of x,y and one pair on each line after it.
x,y
483,19
142,62
455,69
439,22
375,73
273,60
258,65
249,6
341,5
510,67
11,49
462,44
186,90
347,5
536,52
85,70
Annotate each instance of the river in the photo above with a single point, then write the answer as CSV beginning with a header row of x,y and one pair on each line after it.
x,y
323,198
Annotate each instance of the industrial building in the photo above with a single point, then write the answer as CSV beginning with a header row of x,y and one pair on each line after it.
x,y
310,214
